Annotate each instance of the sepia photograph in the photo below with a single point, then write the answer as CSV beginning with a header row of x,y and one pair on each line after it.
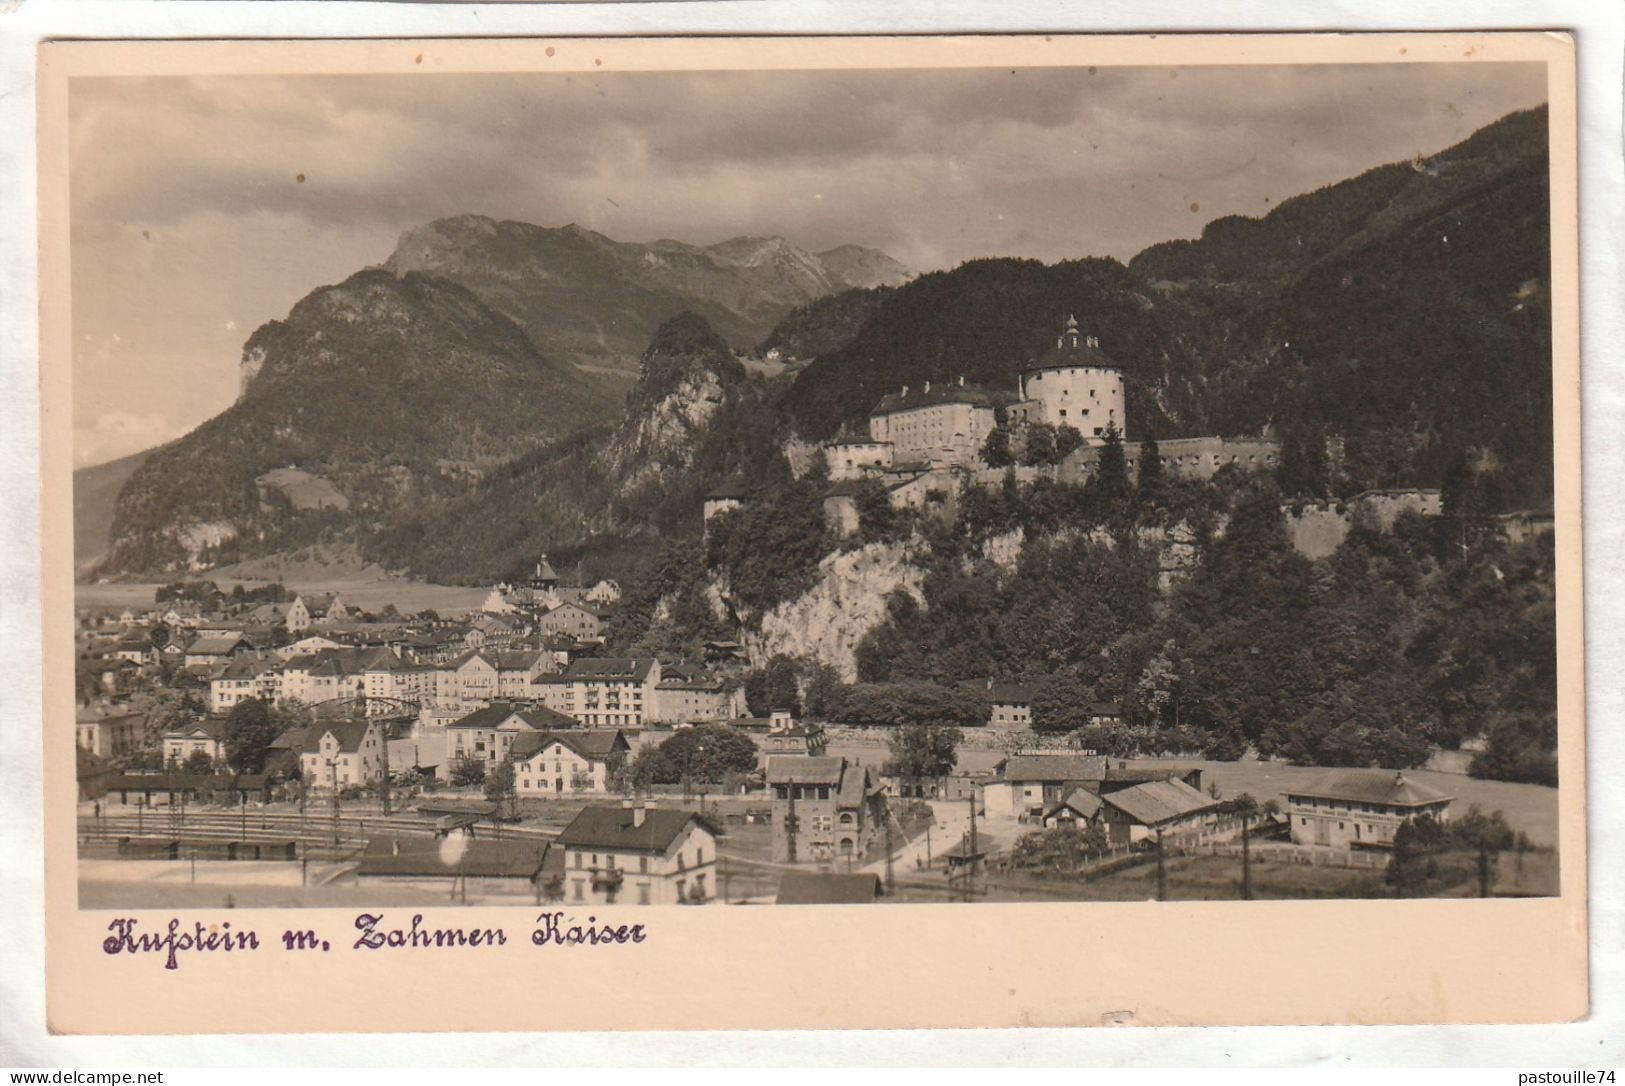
x,y
581,485
1045,485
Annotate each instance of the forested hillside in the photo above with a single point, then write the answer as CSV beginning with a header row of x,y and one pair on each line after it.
x,y
1405,314
392,390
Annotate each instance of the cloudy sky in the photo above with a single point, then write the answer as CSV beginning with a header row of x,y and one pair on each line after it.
x,y
202,208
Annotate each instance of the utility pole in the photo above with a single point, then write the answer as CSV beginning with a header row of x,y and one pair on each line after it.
x,y
970,868
1246,862
888,850
383,782
334,765
790,826
1162,874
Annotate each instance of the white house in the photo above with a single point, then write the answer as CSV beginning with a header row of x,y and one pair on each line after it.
x,y
639,855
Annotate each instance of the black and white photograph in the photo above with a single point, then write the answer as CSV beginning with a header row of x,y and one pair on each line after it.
x,y
825,486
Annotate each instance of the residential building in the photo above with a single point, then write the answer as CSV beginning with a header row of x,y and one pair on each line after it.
x,y
113,735
605,591
487,735
308,645
1026,785
945,425
239,681
205,736
638,854
785,736
1142,810
603,692
392,684
471,677
1360,808
342,755
689,695
577,620
838,809
566,762
207,651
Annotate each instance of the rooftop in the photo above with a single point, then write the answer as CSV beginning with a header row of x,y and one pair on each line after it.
x,y
1370,786
616,828
827,888
1054,767
1158,802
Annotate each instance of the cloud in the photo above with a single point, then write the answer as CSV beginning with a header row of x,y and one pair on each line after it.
x,y
202,203
119,433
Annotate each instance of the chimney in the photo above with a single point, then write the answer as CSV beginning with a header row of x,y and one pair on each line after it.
x,y
905,390
395,847
962,380
927,387
639,813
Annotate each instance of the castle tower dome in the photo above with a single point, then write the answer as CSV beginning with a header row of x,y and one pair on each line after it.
x,y
1077,384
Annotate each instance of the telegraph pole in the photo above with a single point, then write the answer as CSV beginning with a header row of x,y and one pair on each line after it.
x,y
1246,863
383,783
970,878
888,850
790,826
1162,874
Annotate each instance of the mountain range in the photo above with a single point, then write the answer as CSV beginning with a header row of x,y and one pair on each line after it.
x,y
585,298
448,402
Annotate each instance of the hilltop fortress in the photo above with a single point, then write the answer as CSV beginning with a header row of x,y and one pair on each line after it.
x,y
933,439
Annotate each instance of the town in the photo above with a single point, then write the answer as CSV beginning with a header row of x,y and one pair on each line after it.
x,y
273,746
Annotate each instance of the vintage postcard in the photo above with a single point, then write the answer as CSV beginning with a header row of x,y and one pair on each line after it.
x,y
1094,521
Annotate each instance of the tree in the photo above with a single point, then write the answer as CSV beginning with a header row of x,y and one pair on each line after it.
x,y
466,771
1111,473
1040,444
707,753
1485,835
1519,747
1413,866
198,764
1151,477
1302,469
774,687
250,729
923,752
1068,440
1062,703
500,786
996,449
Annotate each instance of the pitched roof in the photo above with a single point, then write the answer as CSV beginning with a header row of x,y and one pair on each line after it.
x,y
1370,786
827,888
1157,802
1010,693
349,733
407,857
636,668
731,488
1081,800
213,646
1054,767
207,727
594,744
613,828
517,659
537,717
799,770
912,398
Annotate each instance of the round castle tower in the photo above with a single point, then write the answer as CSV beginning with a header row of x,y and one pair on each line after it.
x,y
1077,386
